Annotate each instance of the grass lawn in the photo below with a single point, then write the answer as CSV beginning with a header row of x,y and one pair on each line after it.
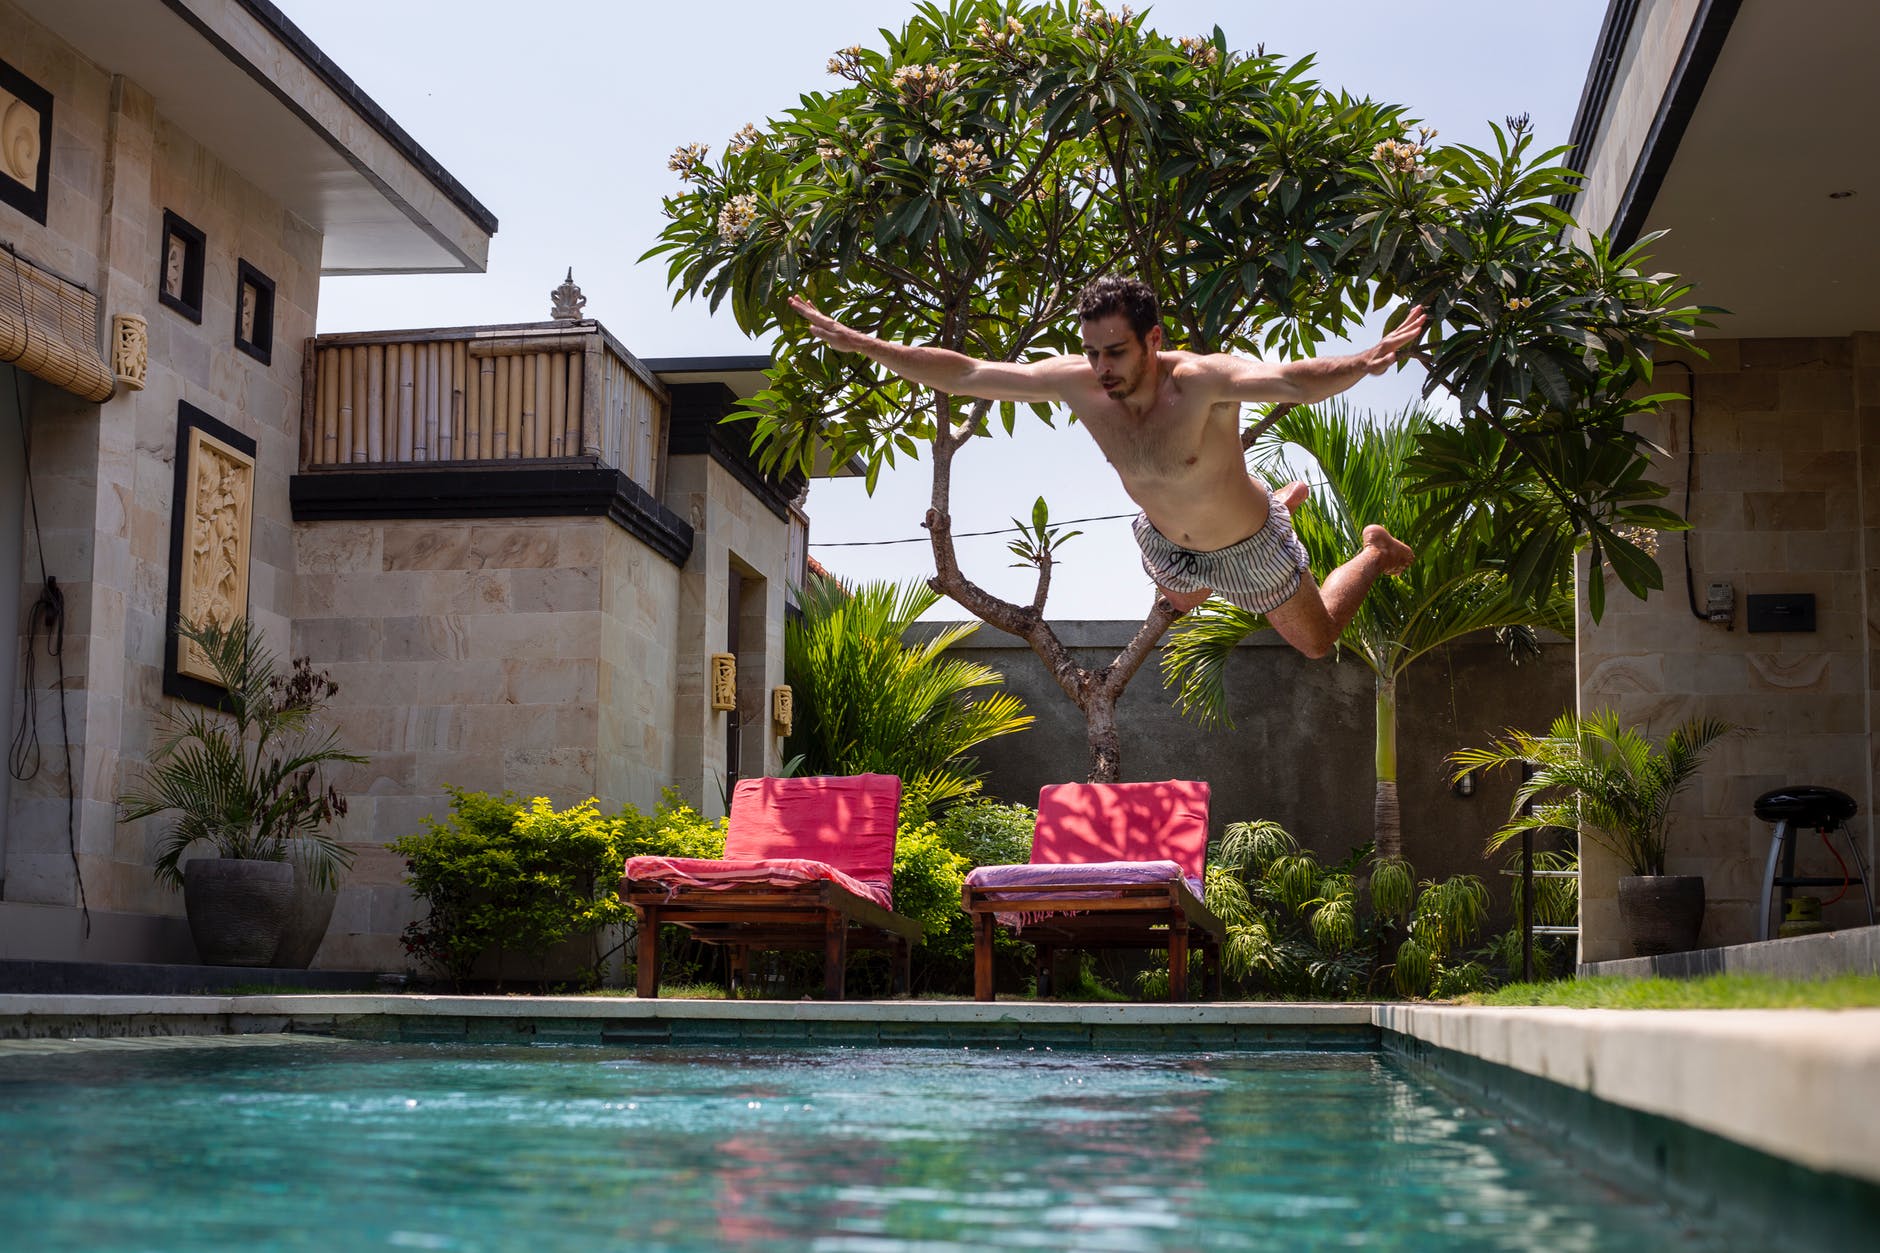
x,y
1710,992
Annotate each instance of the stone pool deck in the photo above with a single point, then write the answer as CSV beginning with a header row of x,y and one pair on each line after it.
x,y
1801,1086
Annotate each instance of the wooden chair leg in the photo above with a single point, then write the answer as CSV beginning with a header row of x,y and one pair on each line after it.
x,y
738,963
982,956
903,967
648,956
835,953
1046,956
1178,960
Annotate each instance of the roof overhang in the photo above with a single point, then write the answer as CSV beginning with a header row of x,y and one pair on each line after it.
x,y
1738,126
242,80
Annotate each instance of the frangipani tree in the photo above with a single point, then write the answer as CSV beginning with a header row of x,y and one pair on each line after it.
x,y
967,179
1460,583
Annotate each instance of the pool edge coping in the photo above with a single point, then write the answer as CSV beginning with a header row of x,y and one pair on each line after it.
x,y
1798,1084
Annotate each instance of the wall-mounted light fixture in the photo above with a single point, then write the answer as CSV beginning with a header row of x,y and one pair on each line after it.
x,y
724,681
1464,784
782,709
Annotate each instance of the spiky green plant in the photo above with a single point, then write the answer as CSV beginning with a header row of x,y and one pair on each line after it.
x,y
1458,585
1607,780
247,778
868,700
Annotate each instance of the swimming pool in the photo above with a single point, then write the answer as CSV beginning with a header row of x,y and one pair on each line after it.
x,y
350,1145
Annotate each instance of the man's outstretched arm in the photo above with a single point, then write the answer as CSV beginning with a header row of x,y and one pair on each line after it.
x,y
943,369
1314,379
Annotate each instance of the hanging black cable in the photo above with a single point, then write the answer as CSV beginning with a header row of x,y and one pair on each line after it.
x,y
1690,474
48,613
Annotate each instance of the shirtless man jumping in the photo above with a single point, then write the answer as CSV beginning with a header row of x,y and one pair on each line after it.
x,y
1170,424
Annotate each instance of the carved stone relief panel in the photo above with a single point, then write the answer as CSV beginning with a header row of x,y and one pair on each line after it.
x,y
210,531
130,350
25,143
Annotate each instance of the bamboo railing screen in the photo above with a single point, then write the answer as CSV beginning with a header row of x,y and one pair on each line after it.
x,y
796,555
393,403
632,419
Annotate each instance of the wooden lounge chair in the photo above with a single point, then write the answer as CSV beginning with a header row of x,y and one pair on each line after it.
x,y
808,864
1113,865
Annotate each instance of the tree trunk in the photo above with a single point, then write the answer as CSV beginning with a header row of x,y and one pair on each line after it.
x,y
1106,746
1387,818
1094,692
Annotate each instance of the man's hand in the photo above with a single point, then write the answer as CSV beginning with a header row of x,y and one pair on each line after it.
x,y
1391,348
830,331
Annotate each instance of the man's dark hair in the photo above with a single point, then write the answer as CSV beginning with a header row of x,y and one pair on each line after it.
x,y
1128,296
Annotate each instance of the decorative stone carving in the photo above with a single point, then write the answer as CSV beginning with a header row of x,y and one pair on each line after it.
x,y
130,350
782,709
219,514
19,141
724,681
568,300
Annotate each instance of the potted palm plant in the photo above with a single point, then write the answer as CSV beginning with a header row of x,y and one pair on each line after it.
x,y
1616,787
247,779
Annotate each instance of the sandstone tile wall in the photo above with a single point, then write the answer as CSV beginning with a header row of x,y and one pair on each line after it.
x,y
530,656
103,474
1786,434
730,525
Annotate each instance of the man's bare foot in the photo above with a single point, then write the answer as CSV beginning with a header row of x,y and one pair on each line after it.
x,y
1396,555
1292,495
1182,602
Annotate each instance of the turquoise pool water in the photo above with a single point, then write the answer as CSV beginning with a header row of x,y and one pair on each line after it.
x,y
344,1146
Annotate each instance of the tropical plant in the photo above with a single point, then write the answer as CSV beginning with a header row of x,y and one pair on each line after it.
x,y
248,777
962,183
869,701
1293,926
501,876
1459,584
1607,780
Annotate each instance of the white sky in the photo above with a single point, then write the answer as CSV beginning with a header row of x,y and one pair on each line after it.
x,y
560,117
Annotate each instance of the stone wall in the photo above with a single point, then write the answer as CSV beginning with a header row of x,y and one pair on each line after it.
x,y
529,656
103,473
1786,433
1300,750
732,529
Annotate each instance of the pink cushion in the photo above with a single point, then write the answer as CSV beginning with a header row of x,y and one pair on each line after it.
x,y
1086,822
846,821
701,872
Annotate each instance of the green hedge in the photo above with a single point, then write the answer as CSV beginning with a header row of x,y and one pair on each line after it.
x,y
500,876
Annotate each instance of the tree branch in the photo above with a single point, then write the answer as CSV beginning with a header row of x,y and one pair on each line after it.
x,y
1254,432
1116,676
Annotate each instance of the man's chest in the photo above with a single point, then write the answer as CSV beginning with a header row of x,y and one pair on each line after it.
x,y
1169,442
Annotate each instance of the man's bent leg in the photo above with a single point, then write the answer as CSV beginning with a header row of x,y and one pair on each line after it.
x,y
1314,617
1182,602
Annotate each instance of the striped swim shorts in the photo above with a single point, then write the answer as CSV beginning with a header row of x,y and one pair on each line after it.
x,y
1259,574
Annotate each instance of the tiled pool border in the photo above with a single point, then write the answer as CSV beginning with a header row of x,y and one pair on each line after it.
x,y
1767,1201
607,1020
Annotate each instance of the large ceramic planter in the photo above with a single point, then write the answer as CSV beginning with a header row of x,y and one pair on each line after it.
x,y
237,909
1661,913
307,917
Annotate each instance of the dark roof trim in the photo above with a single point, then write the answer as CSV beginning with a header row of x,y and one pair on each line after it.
x,y
1703,44
708,365
309,52
1614,34
705,420
573,490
